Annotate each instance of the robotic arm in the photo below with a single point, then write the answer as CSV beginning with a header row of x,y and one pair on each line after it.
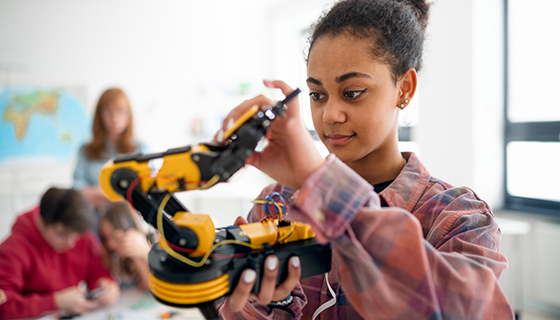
x,y
195,264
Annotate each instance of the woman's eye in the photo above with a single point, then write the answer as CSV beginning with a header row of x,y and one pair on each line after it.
x,y
315,96
353,94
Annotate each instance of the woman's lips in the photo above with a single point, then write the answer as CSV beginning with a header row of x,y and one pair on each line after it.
x,y
337,139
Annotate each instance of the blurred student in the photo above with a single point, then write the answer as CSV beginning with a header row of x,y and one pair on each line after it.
x,y
48,255
113,134
126,245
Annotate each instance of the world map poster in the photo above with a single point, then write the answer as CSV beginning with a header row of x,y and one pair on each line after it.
x,y
40,121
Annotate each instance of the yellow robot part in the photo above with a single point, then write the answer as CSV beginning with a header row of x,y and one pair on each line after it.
x,y
179,172
294,232
202,226
267,232
260,233
140,168
240,121
189,294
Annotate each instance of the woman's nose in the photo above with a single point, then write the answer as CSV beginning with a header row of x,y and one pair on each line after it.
x,y
333,112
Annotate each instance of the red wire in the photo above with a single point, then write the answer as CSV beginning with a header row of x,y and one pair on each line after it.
x,y
130,189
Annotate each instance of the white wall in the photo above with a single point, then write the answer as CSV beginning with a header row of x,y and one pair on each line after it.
x,y
180,60
460,132
177,60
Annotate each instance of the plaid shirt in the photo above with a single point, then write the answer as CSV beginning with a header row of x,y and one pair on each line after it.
x,y
431,251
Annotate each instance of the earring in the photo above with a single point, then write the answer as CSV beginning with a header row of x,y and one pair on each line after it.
x,y
401,106
405,100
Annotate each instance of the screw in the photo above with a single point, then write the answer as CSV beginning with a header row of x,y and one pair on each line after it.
x,y
123,184
163,259
182,242
242,233
196,158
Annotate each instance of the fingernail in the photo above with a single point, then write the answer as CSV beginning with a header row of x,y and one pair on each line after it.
x,y
295,262
220,137
249,276
230,123
271,263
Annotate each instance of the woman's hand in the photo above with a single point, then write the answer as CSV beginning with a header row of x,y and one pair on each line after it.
x,y
290,156
269,291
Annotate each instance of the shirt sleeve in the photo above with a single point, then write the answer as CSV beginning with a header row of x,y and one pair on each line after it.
x,y
12,281
255,311
386,266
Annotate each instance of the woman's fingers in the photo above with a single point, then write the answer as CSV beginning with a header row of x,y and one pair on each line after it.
x,y
286,287
239,221
293,107
236,113
242,291
268,282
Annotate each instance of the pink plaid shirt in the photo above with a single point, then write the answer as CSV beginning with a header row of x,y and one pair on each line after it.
x,y
431,251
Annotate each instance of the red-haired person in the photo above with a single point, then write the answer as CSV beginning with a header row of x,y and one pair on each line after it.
x,y
113,134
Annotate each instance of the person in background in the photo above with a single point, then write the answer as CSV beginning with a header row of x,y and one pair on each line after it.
x,y
113,134
406,245
47,257
126,245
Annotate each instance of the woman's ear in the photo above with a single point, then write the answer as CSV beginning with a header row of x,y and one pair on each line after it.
x,y
407,86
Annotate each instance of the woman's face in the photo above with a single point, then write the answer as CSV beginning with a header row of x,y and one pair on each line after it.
x,y
115,117
353,99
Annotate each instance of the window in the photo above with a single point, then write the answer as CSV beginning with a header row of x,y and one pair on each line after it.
x,y
532,111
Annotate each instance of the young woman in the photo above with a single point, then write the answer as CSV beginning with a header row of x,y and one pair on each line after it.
x,y
406,245
113,134
126,246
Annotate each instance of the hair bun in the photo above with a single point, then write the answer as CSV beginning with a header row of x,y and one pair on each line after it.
x,y
421,8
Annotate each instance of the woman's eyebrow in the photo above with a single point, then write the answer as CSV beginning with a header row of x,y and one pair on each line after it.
x,y
349,75
314,81
342,78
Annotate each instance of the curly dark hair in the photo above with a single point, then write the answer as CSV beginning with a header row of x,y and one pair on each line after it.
x,y
396,29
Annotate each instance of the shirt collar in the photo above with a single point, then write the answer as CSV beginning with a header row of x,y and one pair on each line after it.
x,y
399,193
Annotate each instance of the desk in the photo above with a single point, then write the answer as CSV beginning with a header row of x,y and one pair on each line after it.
x,y
134,304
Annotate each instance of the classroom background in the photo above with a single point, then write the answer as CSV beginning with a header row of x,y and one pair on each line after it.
x,y
485,104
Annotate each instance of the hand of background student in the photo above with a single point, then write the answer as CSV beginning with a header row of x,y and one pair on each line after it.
x,y
72,300
269,291
290,156
133,244
111,293
2,297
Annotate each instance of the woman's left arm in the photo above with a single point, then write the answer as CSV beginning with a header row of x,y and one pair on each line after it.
x,y
386,267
